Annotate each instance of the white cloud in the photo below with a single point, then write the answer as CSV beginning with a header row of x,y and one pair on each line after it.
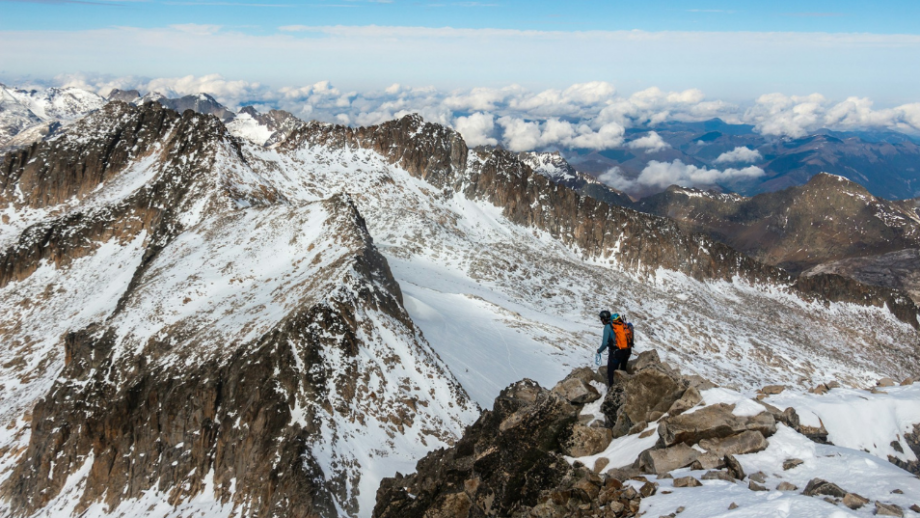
x,y
522,135
477,129
662,174
740,154
614,178
651,143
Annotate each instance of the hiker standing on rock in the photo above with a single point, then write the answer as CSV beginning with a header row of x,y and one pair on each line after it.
x,y
615,337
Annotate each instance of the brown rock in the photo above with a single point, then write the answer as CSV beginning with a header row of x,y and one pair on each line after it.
x,y
648,489
630,400
915,508
654,416
786,486
754,486
885,382
773,389
690,398
576,391
907,381
759,477
647,433
600,464
732,505
687,482
668,459
718,475
587,440
744,442
734,467
792,463
888,510
818,486
716,421
819,389
854,501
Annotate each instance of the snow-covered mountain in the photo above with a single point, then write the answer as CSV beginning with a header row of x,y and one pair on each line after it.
x,y
33,113
210,324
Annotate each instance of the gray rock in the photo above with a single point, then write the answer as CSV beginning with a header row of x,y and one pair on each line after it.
x,y
759,477
786,486
632,398
690,398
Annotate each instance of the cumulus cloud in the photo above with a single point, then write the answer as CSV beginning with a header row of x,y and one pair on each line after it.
x,y
651,143
477,129
740,154
614,178
662,174
523,135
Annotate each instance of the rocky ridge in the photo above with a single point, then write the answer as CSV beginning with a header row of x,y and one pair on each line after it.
x,y
202,362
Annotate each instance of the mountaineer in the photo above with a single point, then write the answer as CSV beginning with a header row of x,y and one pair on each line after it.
x,y
618,337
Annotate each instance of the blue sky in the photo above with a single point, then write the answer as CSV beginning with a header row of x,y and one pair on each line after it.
x,y
264,16
731,50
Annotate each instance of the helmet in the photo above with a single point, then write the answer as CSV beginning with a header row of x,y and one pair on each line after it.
x,y
605,316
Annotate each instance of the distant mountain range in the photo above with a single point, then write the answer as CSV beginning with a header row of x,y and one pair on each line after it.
x,y
886,163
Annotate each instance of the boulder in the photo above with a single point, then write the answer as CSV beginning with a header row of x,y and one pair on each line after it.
x,y
632,398
885,382
586,440
668,459
747,441
645,359
907,381
576,391
712,422
687,482
888,510
786,486
760,476
792,463
754,486
600,464
587,375
711,461
638,428
773,389
815,433
734,467
819,486
819,389
699,382
915,508
690,398
854,501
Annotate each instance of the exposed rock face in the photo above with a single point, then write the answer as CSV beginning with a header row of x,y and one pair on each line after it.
x,y
632,399
500,466
913,441
247,370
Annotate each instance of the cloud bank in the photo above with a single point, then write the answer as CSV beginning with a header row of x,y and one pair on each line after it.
x,y
739,155
660,175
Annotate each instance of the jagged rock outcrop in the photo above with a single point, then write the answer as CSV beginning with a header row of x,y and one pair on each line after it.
x,y
509,463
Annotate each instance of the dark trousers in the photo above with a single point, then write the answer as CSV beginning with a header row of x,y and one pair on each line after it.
x,y
617,359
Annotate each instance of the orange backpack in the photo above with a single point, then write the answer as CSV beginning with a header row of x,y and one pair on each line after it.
x,y
621,332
